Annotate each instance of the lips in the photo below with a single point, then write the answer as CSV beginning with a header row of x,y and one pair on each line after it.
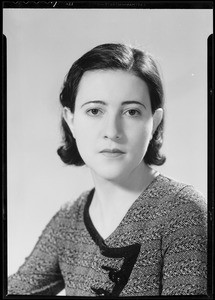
x,y
115,150
112,153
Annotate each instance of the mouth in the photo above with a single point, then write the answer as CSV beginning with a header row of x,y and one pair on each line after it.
x,y
112,152
115,150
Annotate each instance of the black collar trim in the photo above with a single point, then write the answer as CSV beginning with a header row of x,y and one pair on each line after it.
x,y
105,250
129,253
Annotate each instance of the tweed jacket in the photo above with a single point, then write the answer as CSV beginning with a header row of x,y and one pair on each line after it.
x,y
159,248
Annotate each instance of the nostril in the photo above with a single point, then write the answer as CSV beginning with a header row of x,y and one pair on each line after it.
x,y
112,137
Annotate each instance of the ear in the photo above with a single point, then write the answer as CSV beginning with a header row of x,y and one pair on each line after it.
x,y
69,119
157,118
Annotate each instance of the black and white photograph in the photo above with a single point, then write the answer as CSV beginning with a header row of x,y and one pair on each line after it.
x,y
107,151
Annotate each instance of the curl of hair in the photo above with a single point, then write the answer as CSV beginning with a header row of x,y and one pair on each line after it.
x,y
112,57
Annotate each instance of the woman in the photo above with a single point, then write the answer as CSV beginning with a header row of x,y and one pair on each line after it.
x,y
137,233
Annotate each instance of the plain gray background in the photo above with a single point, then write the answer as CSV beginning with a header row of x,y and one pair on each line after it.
x,y
41,46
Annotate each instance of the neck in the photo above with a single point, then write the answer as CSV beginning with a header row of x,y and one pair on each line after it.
x,y
124,191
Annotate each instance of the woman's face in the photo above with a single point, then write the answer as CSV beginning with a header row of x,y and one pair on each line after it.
x,y
112,122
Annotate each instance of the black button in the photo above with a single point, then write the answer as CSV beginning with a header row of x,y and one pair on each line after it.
x,y
121,277
113,276
116,276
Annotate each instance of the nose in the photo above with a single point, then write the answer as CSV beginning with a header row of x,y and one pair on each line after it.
x,y
112,128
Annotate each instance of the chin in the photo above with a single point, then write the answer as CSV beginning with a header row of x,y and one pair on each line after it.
x,y
111,173
112,170
106,171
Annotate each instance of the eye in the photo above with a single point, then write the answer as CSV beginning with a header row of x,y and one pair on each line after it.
x,y
94,112
133,113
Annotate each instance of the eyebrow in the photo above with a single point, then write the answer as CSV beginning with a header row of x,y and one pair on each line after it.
x,y
95,101
133,102
123,103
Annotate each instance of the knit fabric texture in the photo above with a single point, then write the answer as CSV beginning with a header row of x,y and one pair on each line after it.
x,y
159,248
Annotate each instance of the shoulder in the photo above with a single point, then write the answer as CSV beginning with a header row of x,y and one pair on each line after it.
x,y
74,204
181,193
75,207
181,203
70,211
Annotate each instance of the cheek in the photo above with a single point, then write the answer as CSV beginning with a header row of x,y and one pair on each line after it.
x,y
141,135
140,147
139,141
79,128
85,137
84,145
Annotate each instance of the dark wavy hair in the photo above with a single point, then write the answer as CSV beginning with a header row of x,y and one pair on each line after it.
x,y
113,57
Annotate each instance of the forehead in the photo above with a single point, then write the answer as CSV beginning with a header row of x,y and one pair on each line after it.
x,y
114,85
